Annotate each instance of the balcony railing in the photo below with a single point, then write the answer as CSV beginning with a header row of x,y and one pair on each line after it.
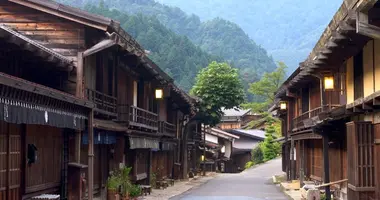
x,y
105,104
298,122
166,128
138,117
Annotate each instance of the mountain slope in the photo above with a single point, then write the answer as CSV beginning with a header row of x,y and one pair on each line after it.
x,y
288,29
218,37
175,54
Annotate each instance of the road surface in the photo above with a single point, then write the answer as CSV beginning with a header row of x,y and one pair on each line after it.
x,y
253,184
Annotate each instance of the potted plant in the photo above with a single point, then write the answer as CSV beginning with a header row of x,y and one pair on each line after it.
x,y
134,191
125,183
113,184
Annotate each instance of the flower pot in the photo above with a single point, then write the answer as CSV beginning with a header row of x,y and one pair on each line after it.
x,y
112,195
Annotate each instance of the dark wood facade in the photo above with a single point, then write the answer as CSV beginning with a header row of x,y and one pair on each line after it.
x,y
331,134
77,91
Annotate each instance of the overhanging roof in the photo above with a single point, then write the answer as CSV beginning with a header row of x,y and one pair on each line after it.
x,y
24,42
85,18
343,22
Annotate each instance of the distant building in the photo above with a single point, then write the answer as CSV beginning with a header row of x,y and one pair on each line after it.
x,y
237,118
242,147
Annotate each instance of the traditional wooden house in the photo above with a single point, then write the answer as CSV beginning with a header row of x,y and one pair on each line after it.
x,y
39,112
242,147
60,67
236,118
216,149
329,106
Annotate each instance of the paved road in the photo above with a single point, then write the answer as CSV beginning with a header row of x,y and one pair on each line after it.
x,y
252,184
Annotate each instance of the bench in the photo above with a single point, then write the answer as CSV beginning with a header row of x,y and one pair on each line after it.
x,y
146,189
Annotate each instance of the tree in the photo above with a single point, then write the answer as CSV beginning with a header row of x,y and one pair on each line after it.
x,y
266,87
257,154
218,85
270,147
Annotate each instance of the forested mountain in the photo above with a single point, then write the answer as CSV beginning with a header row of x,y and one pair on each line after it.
x,y
175,54
287,29
217,37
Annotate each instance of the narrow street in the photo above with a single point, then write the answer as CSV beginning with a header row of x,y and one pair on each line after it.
x,y
255,184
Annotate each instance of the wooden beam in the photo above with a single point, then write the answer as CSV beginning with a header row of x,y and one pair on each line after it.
x,y
376,101
356,109
79,78
326,51
344,26
338,36
366,106
365,5
104,44
330,44
291,94
364,28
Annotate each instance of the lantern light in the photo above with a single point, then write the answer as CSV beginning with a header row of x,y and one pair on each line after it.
x,y
329,82
202,158
283,105
159,94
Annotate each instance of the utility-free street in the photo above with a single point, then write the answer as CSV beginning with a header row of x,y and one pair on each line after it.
x,y
253,184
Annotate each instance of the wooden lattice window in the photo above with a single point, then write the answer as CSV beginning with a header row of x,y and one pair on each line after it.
x,y
360,153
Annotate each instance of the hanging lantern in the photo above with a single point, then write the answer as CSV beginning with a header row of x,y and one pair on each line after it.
x,y
159,93
283,105
329,82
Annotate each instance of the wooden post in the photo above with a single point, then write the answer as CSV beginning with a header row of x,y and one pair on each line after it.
x,y
302,161
322,93
292,164
150,166
80,94
90,155
326,165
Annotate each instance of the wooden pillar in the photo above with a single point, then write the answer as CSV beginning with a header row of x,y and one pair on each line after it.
x,y
326,164
80,94
90,156
292,163
377,158
302,161
149,166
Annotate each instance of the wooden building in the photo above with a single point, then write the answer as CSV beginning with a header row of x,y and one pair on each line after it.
x,y
79,98
236,118
329,106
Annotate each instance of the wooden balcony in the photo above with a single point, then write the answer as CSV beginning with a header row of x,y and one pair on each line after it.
x,y
138,118
301,121
167,128
104,104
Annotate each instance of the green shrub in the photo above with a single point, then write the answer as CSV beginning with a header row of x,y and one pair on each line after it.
x,y
134,191
114,181
257,154
249,164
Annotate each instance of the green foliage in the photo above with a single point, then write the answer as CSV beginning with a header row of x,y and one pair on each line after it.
x,y
125,181
218,85
257,154
114,181
176,54
269,83
270,148
135,191
268,22
248,165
